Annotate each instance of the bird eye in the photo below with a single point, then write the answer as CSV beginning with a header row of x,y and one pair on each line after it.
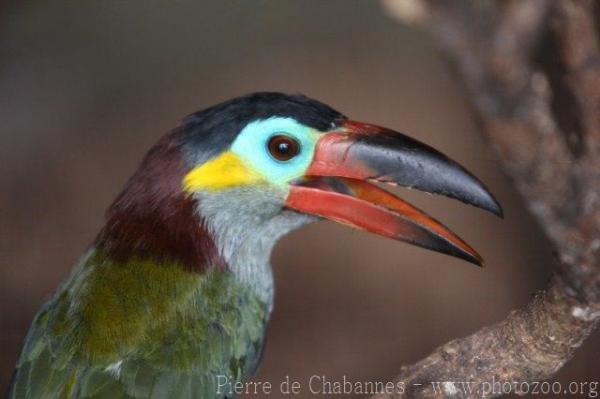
x,y
283,148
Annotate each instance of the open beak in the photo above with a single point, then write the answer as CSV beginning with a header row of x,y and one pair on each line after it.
x,y
336,186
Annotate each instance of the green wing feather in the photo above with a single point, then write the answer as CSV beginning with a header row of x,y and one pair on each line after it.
x,y
140,330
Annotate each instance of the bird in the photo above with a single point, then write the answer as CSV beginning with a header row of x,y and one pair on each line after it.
x,y
175,292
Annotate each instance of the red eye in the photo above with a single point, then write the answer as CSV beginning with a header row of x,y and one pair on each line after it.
x,y
283,148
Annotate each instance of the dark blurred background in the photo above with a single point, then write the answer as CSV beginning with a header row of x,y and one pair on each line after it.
x,y
87,87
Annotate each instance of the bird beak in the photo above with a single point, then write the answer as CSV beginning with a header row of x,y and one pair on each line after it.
x,y
338,186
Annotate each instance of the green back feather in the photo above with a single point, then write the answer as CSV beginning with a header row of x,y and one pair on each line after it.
x,y
140,330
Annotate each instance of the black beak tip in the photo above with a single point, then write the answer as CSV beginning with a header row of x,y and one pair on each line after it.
x,y
477,262
494,206
475,193
441,244
474,259
488,202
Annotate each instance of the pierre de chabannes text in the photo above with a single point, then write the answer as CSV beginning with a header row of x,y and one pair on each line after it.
x,y
324,385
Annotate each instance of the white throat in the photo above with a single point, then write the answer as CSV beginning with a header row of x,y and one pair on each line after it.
x,y
245,224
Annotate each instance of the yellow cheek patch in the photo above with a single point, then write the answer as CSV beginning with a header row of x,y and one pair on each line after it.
x,y
225,171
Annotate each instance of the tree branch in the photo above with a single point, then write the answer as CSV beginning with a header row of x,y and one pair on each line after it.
x,y
532,73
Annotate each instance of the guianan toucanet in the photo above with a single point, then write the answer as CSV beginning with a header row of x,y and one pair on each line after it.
x,y
177,288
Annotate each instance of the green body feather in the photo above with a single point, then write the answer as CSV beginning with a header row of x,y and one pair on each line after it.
x,y
141,330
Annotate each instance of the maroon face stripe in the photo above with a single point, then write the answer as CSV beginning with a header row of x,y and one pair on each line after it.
x,y
153,218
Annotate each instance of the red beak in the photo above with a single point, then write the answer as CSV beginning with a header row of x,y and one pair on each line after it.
x,y
337,186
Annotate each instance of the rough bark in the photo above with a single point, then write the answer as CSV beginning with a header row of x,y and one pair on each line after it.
x,y
531,69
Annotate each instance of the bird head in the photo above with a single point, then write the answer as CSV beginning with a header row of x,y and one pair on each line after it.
x,y
261,165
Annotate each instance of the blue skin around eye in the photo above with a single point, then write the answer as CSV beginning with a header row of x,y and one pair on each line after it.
x,y
251,145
